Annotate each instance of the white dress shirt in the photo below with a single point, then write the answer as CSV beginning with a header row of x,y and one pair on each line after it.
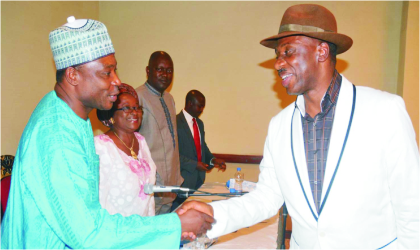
x,y
190,122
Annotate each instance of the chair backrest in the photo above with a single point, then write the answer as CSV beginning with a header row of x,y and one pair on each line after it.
x,y
6,172
6,165
283,234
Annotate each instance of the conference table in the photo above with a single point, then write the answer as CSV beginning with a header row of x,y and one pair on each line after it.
x,y
262,235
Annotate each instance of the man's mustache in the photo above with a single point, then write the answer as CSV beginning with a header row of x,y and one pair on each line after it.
x,y
280,71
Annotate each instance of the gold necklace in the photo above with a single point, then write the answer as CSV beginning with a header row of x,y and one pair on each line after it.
x,y
133,154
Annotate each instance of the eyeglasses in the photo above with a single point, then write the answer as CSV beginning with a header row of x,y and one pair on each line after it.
x,y
131,109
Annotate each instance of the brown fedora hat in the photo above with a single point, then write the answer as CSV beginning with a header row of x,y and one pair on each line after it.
x,y
313,21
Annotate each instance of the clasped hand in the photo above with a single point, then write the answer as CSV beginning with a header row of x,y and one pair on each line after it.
x,y
218,163
196,218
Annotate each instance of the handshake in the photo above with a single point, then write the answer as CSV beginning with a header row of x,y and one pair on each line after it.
x,y
196,218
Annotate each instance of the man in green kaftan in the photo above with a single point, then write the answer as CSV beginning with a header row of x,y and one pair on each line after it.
x,y
54,199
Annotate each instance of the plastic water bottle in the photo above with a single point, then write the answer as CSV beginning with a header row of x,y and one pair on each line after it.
x,y
239,178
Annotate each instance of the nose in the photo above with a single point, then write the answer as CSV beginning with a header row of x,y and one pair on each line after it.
x,y
116,81
279,63
133,112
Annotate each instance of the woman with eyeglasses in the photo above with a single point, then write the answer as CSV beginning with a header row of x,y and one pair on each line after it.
x,y
125,163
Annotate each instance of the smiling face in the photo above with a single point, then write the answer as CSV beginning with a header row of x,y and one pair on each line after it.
x,y
160,72
296,63
127,122
98,83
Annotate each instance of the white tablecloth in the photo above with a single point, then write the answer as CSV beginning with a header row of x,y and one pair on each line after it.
x,y
260,236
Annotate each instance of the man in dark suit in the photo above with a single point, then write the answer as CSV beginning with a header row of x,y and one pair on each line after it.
x,y
195,157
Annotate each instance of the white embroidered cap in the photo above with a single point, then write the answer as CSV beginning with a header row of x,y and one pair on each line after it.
x,y
79,41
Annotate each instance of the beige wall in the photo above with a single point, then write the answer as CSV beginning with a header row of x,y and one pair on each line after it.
x,y
411,65
215,48
27,65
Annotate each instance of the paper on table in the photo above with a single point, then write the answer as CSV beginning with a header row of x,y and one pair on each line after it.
x,y
247,186
202,242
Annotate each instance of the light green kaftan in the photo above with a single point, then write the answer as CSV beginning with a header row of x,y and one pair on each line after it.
x,y
54,199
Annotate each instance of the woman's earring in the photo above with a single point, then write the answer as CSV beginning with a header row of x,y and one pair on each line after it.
x,y
111,120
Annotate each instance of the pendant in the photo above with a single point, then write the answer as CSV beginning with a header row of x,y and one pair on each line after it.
x,y
133,154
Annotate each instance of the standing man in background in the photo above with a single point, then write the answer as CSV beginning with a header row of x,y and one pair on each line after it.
x,y
159,126
343,158
196,158
54,196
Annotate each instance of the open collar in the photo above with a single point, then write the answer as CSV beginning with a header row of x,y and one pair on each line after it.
x,y
330,97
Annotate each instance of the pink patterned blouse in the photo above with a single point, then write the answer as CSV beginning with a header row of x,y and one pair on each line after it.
x,y
122,179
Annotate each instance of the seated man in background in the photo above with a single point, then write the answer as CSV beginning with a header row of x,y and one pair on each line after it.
x,y
195,157
54,200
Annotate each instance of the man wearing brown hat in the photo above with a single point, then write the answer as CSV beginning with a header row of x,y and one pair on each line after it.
x,y
54,199
344,159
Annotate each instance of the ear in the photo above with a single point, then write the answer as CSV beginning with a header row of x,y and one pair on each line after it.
x,y
72,76
147,71
323,52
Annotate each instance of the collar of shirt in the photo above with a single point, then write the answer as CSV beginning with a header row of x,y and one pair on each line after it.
x,y
75,118
165,110
189,119
154,91
330,96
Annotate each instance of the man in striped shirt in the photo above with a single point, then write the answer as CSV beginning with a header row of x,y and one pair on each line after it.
x,y
344,159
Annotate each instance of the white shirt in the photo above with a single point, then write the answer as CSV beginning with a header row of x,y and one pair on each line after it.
x,y
190,122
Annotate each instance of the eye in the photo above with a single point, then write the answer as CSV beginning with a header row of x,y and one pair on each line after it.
x,y
125,108
169,71
159,69
289,51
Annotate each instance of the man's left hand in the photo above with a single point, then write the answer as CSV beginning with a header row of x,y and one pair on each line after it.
x,y
220,164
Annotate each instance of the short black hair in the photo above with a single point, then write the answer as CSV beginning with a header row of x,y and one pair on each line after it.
x,y
157,54
192,95
333,51
60,74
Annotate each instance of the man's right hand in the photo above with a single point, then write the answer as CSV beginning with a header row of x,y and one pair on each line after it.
x,y
201,166
193,221
197,205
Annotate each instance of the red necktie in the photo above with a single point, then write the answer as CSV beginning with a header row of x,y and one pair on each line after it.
x,y
197,140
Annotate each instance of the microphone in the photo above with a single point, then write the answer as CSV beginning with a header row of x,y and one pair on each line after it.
x,y
150,188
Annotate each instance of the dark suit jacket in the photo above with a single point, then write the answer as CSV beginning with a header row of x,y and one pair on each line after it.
x,y
193,178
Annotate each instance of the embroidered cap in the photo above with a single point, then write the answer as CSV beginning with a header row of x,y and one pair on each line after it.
x,y
79,41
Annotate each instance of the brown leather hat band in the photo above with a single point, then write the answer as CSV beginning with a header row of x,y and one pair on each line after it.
x,y
301,28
